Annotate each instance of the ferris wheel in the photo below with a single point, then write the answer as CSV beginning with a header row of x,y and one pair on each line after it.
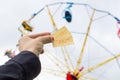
x,y
86,41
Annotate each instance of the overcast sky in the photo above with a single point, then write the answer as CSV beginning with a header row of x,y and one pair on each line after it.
x,y
13,12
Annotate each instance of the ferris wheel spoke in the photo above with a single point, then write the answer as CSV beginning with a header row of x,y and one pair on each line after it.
x,y
100,17
66,58
23,32
98,65
51,18
84,43
54,72
88,78
56,61
69,59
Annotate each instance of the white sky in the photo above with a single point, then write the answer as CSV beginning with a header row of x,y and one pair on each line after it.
x,y
13,12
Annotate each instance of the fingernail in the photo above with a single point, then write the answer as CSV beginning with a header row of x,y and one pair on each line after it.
x,y
52,38
48,33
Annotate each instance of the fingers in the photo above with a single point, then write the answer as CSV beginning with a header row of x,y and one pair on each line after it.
x,y
46,39
42,51
40,34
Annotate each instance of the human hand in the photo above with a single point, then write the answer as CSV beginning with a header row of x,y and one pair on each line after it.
x,y
35,42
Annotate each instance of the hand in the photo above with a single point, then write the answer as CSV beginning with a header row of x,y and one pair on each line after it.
x,y
35,43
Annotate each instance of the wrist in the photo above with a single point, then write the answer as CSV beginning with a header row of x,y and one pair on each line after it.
x,y
32,51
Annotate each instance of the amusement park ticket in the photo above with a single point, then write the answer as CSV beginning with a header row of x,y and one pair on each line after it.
x,y
62,37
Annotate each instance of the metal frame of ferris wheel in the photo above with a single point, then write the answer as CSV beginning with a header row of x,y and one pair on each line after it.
x,y
65,53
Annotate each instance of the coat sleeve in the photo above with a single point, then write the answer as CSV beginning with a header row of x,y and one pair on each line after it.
x,y
24,66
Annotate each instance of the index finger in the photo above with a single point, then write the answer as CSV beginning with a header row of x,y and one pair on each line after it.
x,y
39,34
46,39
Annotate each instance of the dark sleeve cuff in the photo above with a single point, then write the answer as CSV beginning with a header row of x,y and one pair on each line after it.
x,y
29,62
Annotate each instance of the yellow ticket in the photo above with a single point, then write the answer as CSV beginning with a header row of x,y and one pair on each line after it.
x,y
62,37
